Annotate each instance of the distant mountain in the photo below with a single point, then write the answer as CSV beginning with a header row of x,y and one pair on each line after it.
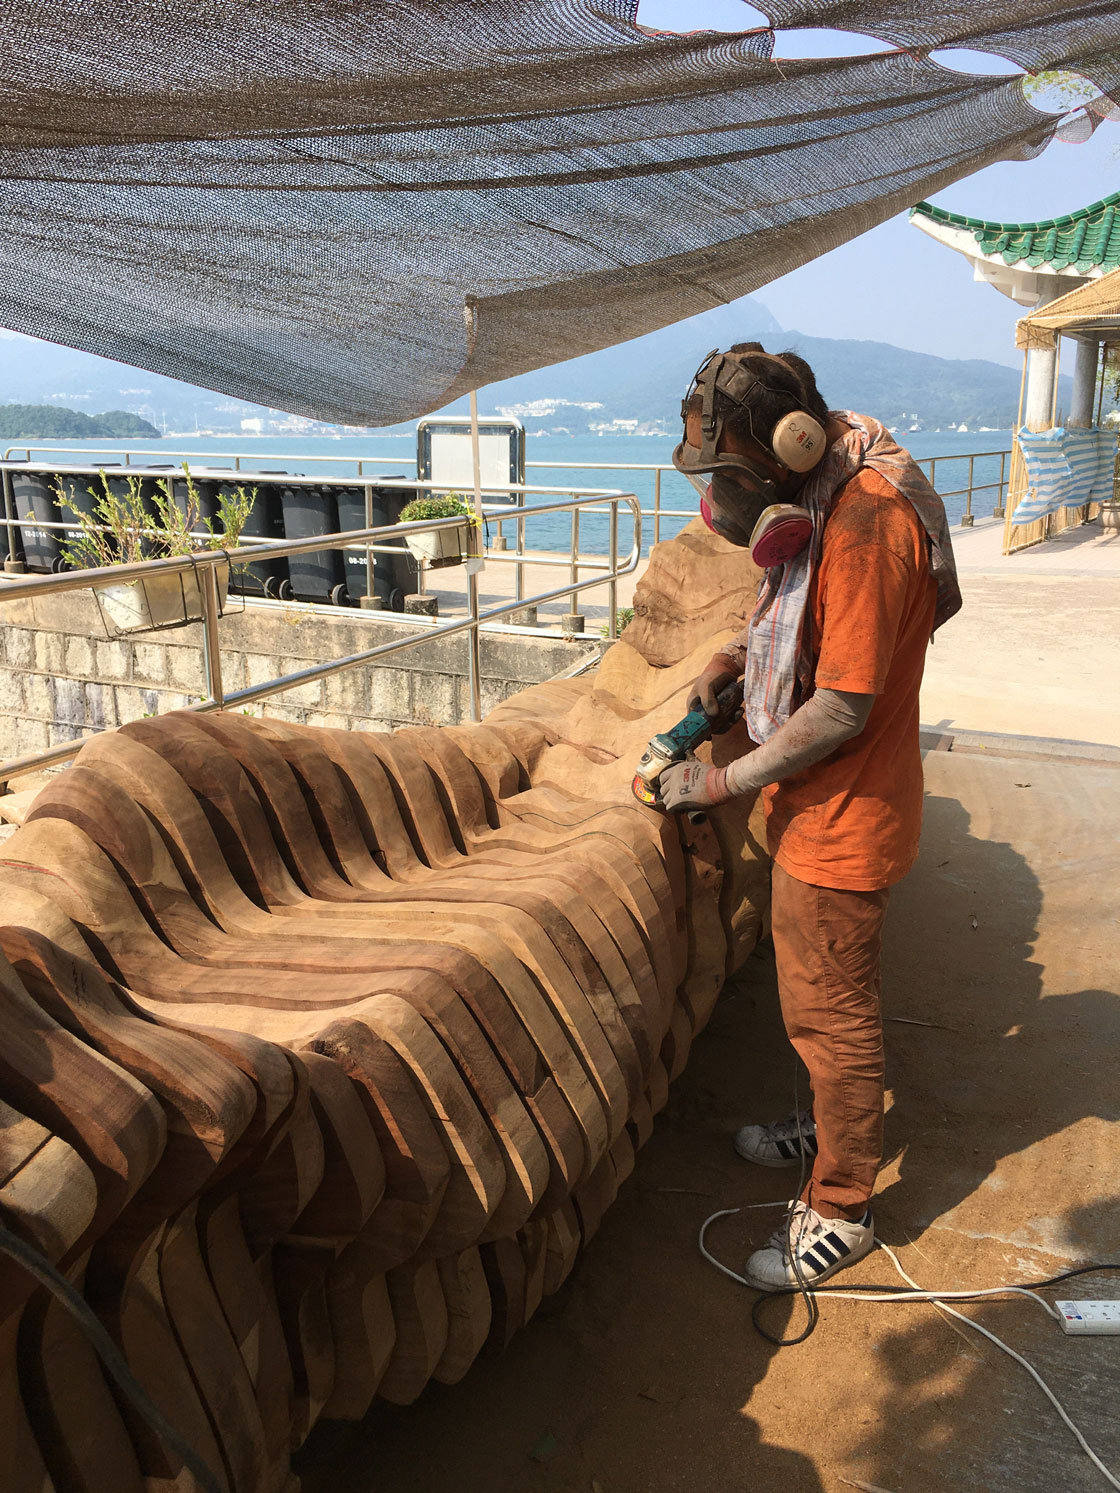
x,y
904,388
49,422
632,388
638,386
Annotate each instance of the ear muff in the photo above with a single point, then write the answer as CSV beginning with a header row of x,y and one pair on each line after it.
x,y
798,441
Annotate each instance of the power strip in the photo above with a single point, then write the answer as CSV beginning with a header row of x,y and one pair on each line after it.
x,y
1089,1318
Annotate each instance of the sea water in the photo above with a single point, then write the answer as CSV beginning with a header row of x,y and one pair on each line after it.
x,y
573,462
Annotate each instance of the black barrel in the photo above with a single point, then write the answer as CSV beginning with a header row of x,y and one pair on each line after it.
x,y
76,486
35,494
265,521
394,576
319,575
34,498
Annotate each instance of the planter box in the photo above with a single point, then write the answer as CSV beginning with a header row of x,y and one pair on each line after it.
x,y
1110,516
440,547
156,601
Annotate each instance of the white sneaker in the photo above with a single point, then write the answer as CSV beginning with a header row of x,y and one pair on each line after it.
x,y
822,1246
779,1144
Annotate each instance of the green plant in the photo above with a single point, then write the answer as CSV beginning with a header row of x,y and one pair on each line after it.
x,y
1110,371
140,523
1059,90
447,505
115,531
180,520
623,617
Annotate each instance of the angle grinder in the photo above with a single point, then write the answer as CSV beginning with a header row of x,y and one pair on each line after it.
x,y
670,747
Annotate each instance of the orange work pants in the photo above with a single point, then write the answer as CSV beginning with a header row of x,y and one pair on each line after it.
x,y
827,943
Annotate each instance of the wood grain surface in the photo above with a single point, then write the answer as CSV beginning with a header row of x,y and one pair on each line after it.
x,y
326,1052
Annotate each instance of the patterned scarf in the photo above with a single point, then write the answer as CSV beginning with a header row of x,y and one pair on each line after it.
x,y
777,665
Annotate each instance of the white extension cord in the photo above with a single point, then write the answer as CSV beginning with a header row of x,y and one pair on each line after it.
x,y
937,1299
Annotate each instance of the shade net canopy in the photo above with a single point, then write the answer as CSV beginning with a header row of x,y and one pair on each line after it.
x,y
357,210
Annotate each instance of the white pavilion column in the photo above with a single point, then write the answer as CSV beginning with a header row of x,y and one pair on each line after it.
x,y
1042,368
1084,383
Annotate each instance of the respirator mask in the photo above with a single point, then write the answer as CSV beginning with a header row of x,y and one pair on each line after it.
x,y
780,532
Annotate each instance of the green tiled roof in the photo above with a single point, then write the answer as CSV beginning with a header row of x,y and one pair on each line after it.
x,y
1085,240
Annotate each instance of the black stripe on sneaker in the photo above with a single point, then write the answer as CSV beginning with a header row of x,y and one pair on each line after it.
x,y
786,1150
835,1242
820,1255
811,1143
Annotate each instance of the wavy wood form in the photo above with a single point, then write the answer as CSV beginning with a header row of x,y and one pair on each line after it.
x,y
325,1052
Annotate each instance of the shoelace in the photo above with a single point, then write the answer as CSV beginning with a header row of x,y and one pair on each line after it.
x,y
788,1129
804,1228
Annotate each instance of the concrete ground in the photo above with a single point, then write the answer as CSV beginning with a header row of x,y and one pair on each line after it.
x,y
1035,648
645,1375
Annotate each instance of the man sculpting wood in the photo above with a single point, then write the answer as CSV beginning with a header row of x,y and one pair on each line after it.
x,y
832,661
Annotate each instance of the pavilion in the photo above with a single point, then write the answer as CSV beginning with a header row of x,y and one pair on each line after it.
x,y
1036,264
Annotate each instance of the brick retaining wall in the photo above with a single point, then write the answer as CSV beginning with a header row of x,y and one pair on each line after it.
x,y
60,675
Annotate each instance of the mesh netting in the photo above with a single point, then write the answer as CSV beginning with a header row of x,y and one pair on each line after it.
x,y
356,211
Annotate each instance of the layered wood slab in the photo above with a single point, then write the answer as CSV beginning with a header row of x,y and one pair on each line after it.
x,y
326,1051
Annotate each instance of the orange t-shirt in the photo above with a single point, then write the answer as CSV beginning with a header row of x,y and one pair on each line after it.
x,y
852,821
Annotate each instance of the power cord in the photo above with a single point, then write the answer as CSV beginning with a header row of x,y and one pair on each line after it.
x,y
915,1293
37,1264
803,1287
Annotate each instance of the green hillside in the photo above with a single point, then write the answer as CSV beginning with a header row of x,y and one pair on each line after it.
x,y
642,381
49,422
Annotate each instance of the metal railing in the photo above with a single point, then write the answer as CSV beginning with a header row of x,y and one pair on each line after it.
x,y
129,453
505,515
205,565
967,517
928,463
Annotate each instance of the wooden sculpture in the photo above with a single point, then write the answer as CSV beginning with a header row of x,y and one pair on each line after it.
x,y
325,1051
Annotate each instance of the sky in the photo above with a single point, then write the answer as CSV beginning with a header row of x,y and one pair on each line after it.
x,y
894,284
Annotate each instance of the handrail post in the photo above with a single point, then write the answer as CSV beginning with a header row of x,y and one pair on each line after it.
x,y
211,648
10,520
519,568
612,589
474,652
967,519
370,592
574,565
657,506
999,511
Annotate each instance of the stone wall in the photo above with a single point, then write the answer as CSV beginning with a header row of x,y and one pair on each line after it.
x,y
60,676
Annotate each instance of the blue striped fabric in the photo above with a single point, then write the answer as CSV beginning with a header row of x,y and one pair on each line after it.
x,y
1049,478
1065,468
1106,466
1083,455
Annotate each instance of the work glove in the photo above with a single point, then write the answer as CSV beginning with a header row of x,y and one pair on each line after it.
x,y
719,673
692,784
